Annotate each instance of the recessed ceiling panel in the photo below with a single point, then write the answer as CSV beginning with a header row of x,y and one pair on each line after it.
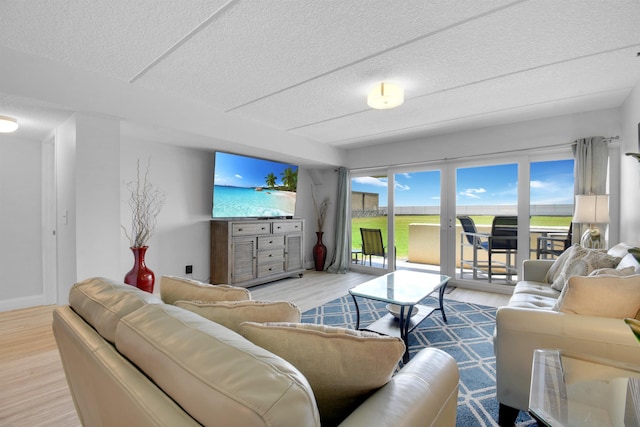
x,y
257,49
117,38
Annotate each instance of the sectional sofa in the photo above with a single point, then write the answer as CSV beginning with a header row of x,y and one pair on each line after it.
x,y
131,358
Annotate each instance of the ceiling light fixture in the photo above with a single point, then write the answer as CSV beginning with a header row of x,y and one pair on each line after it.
x,y
385,95
8,124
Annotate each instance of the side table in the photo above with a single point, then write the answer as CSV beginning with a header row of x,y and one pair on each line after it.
x,y
570,389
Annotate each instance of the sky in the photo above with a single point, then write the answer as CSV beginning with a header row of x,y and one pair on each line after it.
x,y
551,183
240,171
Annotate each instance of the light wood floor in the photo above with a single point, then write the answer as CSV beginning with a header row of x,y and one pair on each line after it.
x,y
34,391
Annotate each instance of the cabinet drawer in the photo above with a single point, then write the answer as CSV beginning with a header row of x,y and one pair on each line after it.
x,y
271,256
287,226
270,242
251,228
268,269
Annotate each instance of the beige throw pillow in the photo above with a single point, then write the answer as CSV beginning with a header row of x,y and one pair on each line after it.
x,y
173,289
343,366
231,313
581,262
602,296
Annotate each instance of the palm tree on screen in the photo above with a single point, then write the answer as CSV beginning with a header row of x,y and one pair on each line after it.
x,y
271,180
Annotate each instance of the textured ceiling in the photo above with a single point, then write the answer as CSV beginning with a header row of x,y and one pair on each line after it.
x,y
303,68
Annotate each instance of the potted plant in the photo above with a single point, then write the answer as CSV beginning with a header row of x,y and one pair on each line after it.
x,y
145,201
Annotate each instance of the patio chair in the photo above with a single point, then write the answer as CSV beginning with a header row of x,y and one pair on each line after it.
x,y
469,237
553,243
503,240
372,244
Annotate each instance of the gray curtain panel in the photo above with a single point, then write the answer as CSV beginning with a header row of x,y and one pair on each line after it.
x,y
591,159
341,255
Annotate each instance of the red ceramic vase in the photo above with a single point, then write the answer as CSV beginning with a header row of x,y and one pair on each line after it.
x,y
319,252
140,276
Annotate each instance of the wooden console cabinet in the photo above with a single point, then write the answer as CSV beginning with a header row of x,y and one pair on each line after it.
x,y
252,252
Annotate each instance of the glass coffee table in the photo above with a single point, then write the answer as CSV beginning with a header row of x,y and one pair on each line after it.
x,y
570,389
405,289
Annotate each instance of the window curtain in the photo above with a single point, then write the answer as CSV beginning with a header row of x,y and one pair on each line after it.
x,y
341,259
591,158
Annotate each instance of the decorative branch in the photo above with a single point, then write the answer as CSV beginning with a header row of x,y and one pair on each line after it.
x,y
146,202
321,210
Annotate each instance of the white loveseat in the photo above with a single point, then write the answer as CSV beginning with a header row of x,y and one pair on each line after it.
x,y
533,320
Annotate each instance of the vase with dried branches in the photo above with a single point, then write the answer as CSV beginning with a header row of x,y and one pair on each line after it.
x,y
319,249
146,201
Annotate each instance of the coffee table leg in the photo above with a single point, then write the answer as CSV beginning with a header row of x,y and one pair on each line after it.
x,y
357,312
404,331
441,298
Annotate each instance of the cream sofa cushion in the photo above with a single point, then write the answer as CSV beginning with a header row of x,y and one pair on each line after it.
x,y
102,303
173,289
582,261
217,376
601,296
231,313
343,366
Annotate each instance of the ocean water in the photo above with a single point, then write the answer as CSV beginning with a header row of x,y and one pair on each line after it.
x,y
239,202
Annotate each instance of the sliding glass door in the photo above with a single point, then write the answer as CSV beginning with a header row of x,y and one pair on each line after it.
x,y
442,218
486,212
417,220
370,222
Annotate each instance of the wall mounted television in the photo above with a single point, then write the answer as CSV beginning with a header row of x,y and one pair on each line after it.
x,y
250,187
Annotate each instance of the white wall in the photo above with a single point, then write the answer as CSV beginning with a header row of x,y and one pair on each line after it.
x,y
496,139
20,223
182,234
630,170
97,197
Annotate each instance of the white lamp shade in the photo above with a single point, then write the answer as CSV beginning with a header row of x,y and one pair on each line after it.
x,y
385,95
591,209
8,124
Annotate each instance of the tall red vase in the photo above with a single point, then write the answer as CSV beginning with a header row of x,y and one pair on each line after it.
x,y
319,252
140,276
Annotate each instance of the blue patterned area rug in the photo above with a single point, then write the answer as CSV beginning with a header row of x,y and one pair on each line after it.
x,y
467,336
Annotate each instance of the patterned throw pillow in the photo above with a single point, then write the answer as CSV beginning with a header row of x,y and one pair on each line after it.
x,y
618,272
343,366
581,262
557,265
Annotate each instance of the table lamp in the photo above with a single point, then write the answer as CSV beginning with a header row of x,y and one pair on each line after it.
x,y
592,209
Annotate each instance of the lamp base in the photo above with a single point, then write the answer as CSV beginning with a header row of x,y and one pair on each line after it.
x,y
592,239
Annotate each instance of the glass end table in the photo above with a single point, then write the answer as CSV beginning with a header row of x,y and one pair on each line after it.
x,y
570,389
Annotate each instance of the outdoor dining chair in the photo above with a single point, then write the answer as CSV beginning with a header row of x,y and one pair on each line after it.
x,y
372,244
553,243
503,240
470,237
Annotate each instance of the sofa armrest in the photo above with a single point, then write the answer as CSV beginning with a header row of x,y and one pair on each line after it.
x,y
519,331
422,393
535,270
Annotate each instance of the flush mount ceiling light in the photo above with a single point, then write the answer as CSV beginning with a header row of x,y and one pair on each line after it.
x,y
385,95
8,124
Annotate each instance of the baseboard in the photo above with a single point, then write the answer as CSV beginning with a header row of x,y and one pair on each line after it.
x,y
485,287
24,302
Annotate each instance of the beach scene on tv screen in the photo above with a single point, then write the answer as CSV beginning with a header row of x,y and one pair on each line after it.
x,y
250,187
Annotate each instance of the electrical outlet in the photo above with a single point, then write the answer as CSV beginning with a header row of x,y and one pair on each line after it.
x,y
188,269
